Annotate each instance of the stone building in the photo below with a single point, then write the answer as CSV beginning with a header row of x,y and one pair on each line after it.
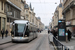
x,y
22,10
29,13
57,15
69,14
13,11
52,22
3,18
50,25
26,7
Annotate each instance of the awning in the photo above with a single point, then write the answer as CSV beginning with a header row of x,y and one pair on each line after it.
x,y
56,26
66,26
70,25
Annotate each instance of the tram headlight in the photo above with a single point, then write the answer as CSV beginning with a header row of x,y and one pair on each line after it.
x,y
25,35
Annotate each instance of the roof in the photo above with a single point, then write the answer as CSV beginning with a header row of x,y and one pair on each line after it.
x,y
60,5
26,6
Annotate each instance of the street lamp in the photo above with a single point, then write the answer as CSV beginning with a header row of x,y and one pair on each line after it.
x,y
55,3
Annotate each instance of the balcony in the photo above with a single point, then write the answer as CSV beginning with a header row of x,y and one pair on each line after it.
x,y
68,4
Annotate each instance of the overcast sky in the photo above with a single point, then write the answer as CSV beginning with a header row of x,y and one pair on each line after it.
x,y
44,9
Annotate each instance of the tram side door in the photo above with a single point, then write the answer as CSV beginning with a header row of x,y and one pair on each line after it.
x,y
27,31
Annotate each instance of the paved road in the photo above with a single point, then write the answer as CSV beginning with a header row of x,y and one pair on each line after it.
x,y
40,43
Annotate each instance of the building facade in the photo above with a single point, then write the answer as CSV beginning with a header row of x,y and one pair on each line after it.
x,y
57,15
52,22
69,14
50,25
22,10
13,11
3,18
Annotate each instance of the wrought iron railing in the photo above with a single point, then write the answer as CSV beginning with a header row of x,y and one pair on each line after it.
x,y
59,45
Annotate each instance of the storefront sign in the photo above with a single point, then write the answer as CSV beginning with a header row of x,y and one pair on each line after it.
x,y
9,13
68,23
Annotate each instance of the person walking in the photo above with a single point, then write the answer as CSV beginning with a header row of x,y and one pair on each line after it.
x,y
54,33
2,32
69,34
48,31
6,33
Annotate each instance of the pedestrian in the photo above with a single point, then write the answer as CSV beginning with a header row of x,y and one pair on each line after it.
x,y
48,31
6,33
69,34
2,32
51,31
54,33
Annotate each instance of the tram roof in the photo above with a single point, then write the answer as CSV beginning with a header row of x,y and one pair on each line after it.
x,y
21,21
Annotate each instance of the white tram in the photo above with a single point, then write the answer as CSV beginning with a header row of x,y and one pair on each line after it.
x,y
23,31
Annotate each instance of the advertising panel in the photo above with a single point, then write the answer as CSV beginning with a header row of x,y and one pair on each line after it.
x,y
61,32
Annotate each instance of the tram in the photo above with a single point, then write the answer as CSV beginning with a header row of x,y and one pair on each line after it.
x,y
23,31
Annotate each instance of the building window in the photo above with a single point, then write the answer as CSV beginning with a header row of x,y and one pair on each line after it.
x,y
26,11
11,20
2,5
26,17
8,20
7,7
3,23
10,8
22,1
33,20
14,14
0,23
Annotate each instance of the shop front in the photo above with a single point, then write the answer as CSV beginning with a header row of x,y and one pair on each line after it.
x,y
2,22
71,26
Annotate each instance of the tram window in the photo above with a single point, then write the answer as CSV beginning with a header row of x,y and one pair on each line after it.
x,y
19,28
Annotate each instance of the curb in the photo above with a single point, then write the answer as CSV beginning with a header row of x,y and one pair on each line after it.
x,y
5,43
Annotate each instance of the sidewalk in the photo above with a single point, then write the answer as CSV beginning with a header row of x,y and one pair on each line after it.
x,y
50,38
5,40
70,44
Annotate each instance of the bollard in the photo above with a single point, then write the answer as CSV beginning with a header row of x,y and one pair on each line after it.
x,y
66,37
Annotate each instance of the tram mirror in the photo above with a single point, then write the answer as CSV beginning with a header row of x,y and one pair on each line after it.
x,y
27,24
12,32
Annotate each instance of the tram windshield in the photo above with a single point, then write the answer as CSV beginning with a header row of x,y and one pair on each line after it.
x,y
19,29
